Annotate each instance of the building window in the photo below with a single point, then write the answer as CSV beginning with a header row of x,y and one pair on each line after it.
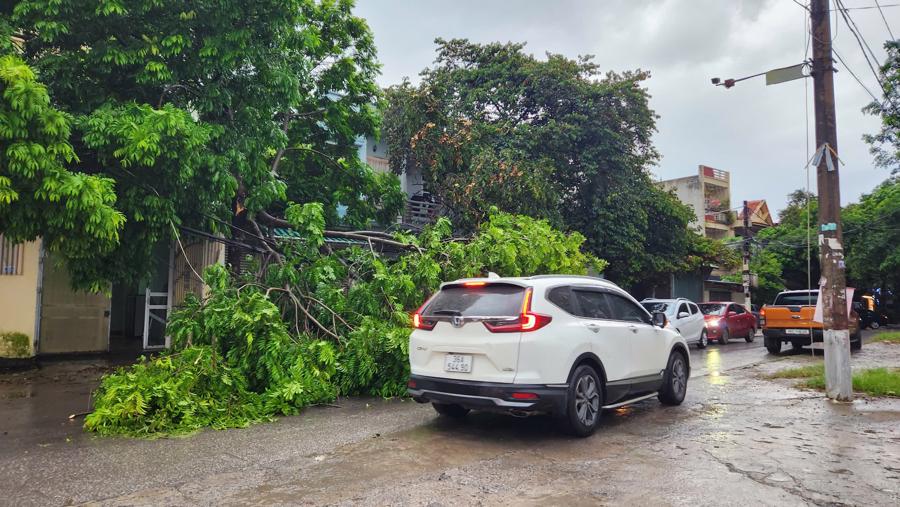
x,y
12,257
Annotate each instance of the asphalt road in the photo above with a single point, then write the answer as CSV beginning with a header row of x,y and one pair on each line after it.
x,y
737,439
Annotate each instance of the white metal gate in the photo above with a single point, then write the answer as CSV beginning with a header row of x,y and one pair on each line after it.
x,y
156,312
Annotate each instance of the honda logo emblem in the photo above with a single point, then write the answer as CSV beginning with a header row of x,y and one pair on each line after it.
x,y
456,321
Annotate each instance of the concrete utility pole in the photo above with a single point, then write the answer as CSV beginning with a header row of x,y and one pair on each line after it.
x,y
832,286
746,275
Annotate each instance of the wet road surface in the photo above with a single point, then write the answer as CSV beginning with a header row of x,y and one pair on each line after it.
x,y
738,439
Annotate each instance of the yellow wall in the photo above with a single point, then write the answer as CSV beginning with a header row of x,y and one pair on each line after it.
x,y
18,302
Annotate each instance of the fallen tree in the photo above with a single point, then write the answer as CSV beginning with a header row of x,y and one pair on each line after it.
x,y
313,325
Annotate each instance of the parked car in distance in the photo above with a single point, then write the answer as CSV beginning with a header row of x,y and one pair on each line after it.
x,y
754,309
789,319
726,320
684,316
570,346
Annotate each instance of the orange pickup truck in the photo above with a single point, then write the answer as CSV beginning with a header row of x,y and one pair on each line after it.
x,y
789,320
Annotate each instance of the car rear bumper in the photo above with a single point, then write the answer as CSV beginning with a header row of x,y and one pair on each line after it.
x,y
782,334
490,396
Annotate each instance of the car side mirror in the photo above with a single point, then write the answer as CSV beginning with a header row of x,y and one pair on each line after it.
x,y
659,319
683,315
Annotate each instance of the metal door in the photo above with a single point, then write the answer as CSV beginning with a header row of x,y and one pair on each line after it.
x,y
156,312
71,321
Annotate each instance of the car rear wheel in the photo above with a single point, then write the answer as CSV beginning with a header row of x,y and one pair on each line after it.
x,y
751,335
450,410
726,335
675,380
704,340
583,403
773,346
856,341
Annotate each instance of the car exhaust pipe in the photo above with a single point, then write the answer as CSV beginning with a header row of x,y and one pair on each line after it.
x,y
520,413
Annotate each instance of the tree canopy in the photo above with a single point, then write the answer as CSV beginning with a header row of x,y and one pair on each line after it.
x,y
490,125
885,145
172,113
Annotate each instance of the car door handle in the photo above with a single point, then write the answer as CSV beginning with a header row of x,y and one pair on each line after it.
x,y
633,329
593,327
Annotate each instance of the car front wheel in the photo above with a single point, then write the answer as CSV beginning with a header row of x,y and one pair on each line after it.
x,y
584,401
675,380
726,335
704,340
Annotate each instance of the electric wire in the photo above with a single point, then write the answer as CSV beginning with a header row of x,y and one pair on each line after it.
x,y
883,18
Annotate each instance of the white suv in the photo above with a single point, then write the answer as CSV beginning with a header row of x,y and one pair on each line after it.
x,y
684,316
565,345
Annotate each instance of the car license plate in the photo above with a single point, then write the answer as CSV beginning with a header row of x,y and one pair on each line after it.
x,y
461,363
796,331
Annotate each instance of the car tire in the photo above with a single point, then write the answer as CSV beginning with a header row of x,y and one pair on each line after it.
x,y
675,380
751,335
725,336
856,341
451,410
704,340
874,324
584,402
773,346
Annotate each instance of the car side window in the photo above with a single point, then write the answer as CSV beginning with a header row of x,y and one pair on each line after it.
x,y
738,309
563,298
623,309
592,304
683,307
694,309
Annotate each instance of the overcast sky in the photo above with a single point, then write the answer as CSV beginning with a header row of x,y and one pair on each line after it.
x,y
756,132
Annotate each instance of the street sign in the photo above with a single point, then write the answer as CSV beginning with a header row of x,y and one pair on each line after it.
x,y
785,74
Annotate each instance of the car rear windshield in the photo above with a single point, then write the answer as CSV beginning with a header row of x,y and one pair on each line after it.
x,y
492,300
797,299
712,308
654,307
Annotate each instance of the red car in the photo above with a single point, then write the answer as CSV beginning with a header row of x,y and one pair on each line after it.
x,y
726,320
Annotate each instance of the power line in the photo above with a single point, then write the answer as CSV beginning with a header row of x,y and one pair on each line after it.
x,y
886,24
864,45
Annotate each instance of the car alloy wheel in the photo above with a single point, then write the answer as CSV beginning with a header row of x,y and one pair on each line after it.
x,y
587,400
704,340
724,337
679,377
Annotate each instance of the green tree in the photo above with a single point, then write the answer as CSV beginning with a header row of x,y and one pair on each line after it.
x,y
74,211
490,125
872,237
885,145
201,113
787,242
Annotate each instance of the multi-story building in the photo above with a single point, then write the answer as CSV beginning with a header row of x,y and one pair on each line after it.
x,y
708,193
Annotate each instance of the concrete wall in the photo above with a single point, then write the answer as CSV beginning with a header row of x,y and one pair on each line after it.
x,y
690,192
18,304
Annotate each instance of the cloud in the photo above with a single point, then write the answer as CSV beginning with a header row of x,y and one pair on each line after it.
x,y
756,132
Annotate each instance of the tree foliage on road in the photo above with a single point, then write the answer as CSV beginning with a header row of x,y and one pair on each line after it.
x,y
490,125
314,326
193,113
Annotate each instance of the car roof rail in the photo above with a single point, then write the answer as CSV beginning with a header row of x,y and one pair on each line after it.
x,y
584,277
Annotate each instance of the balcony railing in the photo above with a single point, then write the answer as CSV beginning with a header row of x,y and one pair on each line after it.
x,y
421,213
716,174
378,163
724,217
